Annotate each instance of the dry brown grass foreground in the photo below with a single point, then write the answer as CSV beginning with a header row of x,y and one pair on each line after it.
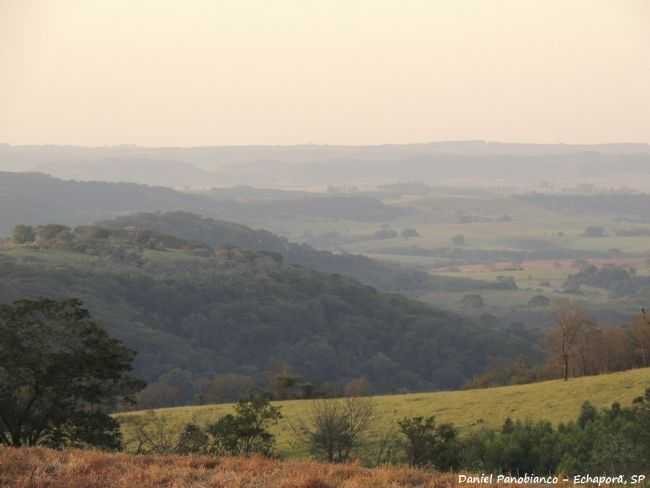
x,y
43,468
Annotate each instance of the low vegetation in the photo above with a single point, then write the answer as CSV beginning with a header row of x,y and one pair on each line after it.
x,y
37,467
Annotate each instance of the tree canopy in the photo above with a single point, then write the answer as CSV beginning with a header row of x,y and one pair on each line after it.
x,y
59,372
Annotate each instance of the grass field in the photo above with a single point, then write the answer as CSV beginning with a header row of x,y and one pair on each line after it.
x,y
41,468
556,401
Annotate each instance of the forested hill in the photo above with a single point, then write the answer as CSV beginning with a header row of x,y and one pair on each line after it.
x,y
217,233
34,199
192,312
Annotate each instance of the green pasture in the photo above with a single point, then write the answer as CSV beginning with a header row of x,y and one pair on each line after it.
x,y
556,401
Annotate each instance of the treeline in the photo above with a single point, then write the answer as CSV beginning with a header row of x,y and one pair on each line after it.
x,y
626,205
576,346
617,280
538,250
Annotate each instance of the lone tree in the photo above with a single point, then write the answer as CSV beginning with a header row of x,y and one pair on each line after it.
x,y
60,372
335,427
570,323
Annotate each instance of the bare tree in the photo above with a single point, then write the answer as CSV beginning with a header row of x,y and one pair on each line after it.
x,y
587,348
150,433
570,323
334,428
641,336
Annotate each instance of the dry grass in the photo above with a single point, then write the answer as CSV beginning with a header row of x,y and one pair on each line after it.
x,y
42,468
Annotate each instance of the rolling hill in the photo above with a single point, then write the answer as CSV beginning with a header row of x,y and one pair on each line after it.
x,y
38,199
219,233
192,311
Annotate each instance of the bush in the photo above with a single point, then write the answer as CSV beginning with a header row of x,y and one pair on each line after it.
x,y
245,432
430,445
539,301
335,427
472,301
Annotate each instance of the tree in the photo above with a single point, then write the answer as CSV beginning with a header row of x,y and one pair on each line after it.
x,y
281,381
59,373
385,233
641,337
229,387
409,232
588,348
23,234
428,444
357,387
570,321
595,231
52,232
335,427
473,301
539,301
159,395
150,433
245,432
193,440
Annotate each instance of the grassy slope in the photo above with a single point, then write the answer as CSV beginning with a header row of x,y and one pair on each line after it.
x,y
556,401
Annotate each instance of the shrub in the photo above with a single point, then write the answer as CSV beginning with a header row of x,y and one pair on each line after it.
x,y
430,445
245,432
335,427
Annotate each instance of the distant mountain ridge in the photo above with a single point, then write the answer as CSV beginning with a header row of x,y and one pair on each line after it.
x,y
168,173
310,165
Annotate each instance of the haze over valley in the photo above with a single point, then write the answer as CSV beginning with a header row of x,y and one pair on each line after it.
x,y
333,244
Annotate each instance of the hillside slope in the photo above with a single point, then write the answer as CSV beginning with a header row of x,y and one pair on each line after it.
x,y
38,199
219,233
556,401
196,312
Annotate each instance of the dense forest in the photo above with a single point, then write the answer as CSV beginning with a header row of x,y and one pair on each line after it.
x,y
193,312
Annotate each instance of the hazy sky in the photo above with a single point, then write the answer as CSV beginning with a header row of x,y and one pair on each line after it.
x,y
195,72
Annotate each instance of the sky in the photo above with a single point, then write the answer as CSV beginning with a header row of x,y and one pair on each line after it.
x,y
355,72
